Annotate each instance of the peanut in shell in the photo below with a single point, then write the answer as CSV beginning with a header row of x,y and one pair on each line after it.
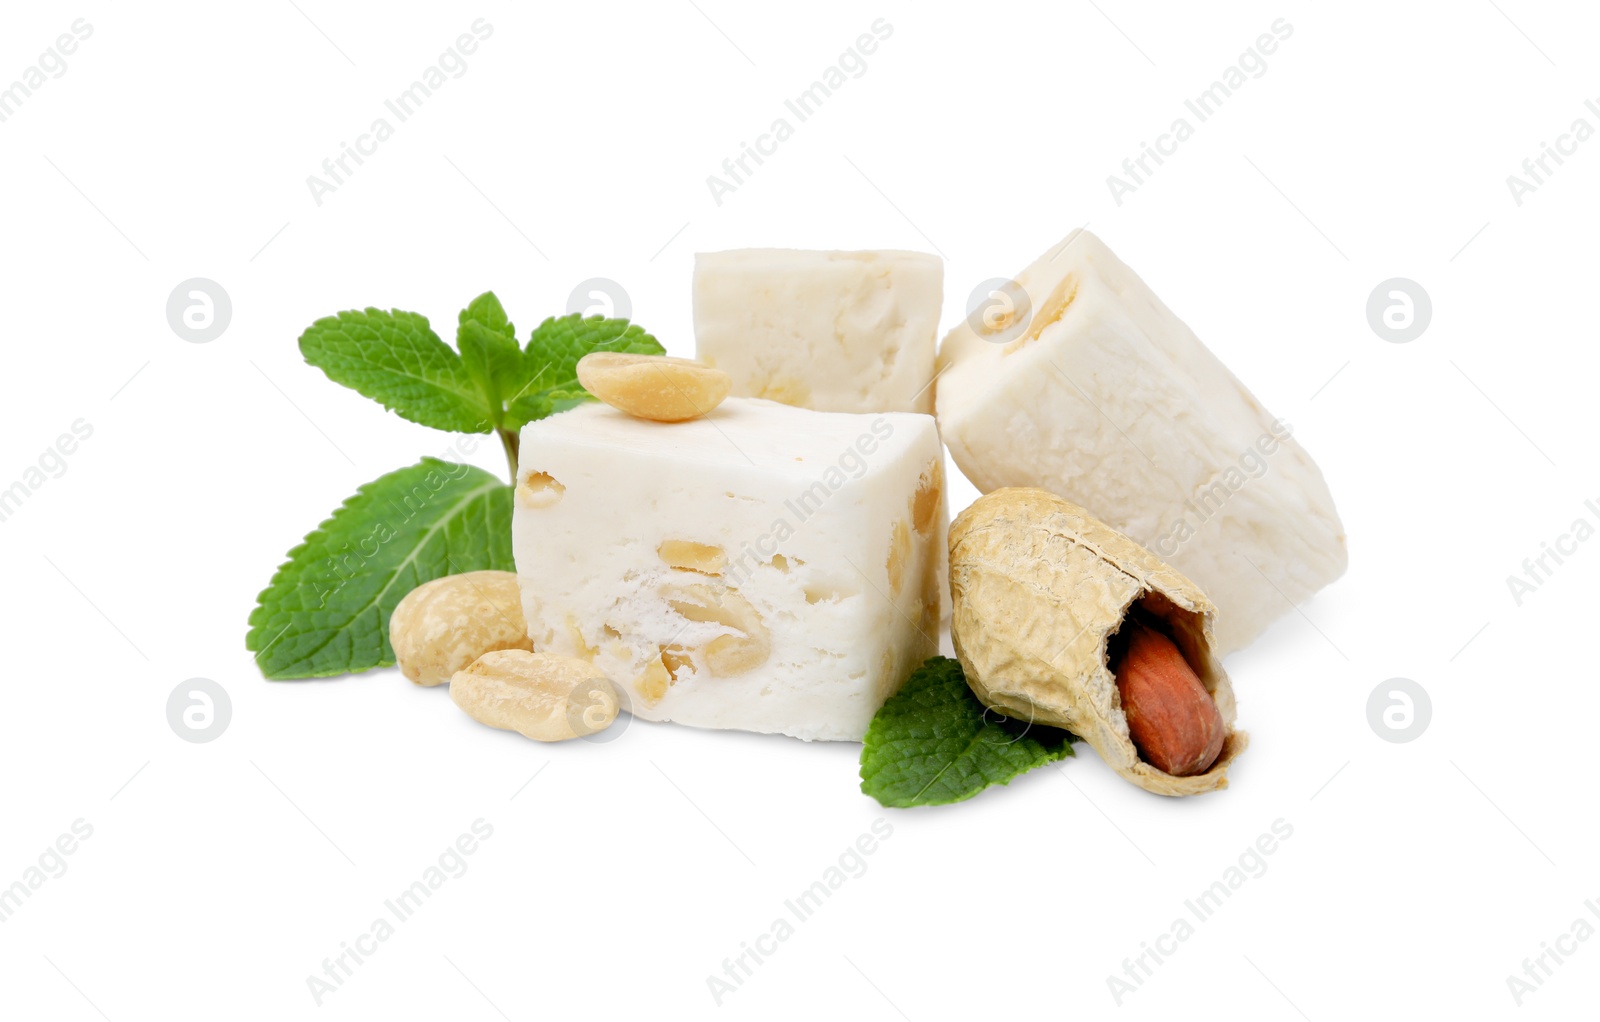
x,y
1040,590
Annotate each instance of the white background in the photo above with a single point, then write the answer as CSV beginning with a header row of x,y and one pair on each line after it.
x,y
219,876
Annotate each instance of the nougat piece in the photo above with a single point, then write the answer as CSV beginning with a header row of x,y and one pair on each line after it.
x,y
1089,387
764,568
833,331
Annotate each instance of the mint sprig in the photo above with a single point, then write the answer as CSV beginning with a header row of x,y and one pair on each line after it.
x,y
488,383
934,743
327,608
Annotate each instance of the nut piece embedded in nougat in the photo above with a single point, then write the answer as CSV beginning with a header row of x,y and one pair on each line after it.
x,y
443,625
1046,599
1094,390
764,568
833,331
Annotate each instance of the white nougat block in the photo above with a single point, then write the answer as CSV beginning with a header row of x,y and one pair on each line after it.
x,y
764,568
1091,388
834,331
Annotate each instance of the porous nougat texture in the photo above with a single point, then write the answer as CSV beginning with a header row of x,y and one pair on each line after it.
x,y
833,331
1099,394
763,568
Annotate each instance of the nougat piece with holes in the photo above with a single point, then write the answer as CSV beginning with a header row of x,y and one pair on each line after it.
x,y
1081,382
764,568
834,331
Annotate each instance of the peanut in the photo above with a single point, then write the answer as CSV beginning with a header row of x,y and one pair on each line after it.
x,y
545,697
691,556
1046,601
540,490
654,681
899,553
444,625
655,387
1172,719
925,502
725,655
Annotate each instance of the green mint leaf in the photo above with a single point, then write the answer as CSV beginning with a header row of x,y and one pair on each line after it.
x,y
533,407
486,309
397,360
495,363
487,340
327,609
550,368
933,742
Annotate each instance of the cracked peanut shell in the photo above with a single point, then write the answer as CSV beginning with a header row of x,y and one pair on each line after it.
x,y
1040,590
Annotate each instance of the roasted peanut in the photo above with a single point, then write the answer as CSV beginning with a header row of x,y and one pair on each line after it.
x,y
654,681
1046,601
546,697
444,625
925,503
726,655
655,387
539,490
691,556
1172,719
899,553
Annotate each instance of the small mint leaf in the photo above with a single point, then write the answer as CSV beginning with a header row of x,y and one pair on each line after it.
x,y
934,743
495,363
550,381
396,359
486,309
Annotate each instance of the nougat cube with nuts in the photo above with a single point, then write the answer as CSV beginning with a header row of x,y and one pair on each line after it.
x,y
833,331
764,568
1085,384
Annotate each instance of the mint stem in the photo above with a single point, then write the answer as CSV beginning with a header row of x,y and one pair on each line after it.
x,y
508,439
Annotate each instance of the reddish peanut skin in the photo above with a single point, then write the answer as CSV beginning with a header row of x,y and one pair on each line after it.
x,y
1172,719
